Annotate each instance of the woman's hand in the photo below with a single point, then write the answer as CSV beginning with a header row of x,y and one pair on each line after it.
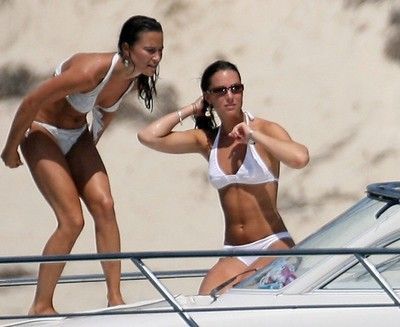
x,y
197,107
11,158
241,132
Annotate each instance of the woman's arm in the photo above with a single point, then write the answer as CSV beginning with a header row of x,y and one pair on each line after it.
x,y
275,140
47,93
159,135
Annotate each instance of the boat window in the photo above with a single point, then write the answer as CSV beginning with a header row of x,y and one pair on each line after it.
x,y
340,232
358,278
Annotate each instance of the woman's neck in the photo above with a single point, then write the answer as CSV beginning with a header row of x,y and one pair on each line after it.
x,y
229,123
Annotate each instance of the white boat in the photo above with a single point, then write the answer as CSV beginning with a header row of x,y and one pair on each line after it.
x,y
345,274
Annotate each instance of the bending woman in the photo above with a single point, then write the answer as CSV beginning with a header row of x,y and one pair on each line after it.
x,y
244,155
60,150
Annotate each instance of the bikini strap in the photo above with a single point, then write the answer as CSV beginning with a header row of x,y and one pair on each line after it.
x,y
248,117
114,61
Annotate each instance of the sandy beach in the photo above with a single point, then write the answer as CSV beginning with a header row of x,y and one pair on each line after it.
x,y
322,69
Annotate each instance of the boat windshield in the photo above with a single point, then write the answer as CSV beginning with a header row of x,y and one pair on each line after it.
x,y
338,233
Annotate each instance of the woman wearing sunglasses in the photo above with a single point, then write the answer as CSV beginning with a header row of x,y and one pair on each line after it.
x,y
244,154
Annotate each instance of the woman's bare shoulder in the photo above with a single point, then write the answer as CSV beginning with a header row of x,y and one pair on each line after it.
x,y
269,127
90,65
263,124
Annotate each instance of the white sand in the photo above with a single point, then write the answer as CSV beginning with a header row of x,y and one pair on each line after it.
x,y
316,67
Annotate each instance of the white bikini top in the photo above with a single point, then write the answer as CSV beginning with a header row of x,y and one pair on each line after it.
x,y
85,102
252,171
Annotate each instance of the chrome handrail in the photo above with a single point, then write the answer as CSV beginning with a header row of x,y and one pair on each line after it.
x,y
155,276
95,278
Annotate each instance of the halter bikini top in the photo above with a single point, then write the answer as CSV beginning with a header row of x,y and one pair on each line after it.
x,y
85,102
252,171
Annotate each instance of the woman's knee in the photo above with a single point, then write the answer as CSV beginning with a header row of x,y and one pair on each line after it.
x,y
71,226
102,207
222,271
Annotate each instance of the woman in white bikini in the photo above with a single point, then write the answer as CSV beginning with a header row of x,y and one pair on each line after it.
x,y
51,128
244,155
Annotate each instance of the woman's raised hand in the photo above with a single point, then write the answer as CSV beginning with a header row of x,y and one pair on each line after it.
x,y
241,132
197,107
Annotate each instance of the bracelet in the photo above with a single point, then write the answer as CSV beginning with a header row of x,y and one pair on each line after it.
x,y
250,137
180,117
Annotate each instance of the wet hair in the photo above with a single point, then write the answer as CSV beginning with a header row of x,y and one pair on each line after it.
x,y
130,33
207,121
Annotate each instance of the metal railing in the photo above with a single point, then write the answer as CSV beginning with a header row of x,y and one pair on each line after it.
x,y
155,277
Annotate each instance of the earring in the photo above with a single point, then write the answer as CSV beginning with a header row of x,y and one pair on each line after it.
x,y
208,112
126,63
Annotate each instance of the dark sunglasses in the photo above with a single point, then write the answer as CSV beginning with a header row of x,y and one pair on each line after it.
x,y
222,90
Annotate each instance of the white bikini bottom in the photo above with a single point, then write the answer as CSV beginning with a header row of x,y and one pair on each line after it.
x,y
262,244
65,138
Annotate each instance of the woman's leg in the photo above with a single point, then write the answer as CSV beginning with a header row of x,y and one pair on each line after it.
x,y
51,174
222,271
261,262
281,244
226,268
92,181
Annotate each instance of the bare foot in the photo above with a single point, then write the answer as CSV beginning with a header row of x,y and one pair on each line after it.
x,y
114,302
35,311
